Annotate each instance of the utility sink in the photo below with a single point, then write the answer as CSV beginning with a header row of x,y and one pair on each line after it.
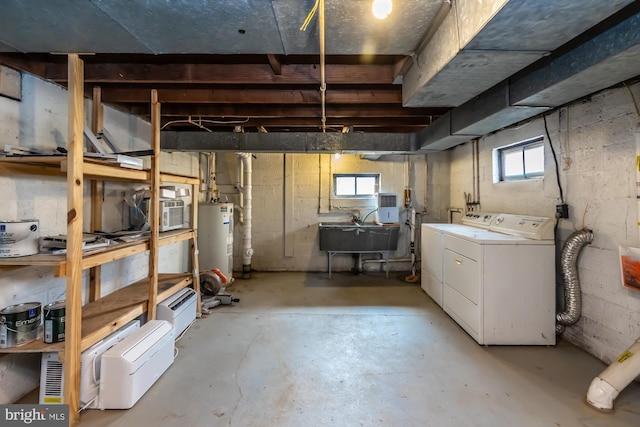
x,y
350,237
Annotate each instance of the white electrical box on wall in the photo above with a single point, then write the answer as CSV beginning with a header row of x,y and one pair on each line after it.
x,y
388,211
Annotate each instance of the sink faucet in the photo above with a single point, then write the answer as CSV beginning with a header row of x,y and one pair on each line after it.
x,y
356,219
367,215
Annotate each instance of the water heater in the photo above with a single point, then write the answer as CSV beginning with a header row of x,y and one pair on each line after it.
x,y
388,211
215,237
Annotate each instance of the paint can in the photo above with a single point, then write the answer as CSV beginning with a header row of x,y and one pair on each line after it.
x,y
18,238
19,324
54,314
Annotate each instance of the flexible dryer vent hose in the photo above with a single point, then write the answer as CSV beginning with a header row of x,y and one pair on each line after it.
x,y
569,264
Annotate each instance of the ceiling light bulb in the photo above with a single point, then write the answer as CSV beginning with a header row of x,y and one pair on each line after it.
x,y
336,156
381,8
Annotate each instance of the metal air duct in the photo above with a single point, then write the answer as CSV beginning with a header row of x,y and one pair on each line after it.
x,y
568,261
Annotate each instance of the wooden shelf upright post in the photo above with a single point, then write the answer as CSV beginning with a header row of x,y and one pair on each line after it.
x,y
195,264
154,206
73,324
97,123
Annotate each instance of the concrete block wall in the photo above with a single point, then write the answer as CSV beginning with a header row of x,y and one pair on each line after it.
x,y
437,171
311,176
40,120
595,146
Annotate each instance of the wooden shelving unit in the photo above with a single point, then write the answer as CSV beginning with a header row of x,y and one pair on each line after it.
x,y
86,325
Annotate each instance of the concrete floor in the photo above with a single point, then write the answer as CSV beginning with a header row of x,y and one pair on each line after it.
x,y
302,350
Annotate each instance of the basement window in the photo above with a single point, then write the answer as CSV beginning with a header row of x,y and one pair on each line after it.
x,y
523,160
355,185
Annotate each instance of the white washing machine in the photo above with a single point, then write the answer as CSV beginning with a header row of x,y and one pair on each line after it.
x,y
494,275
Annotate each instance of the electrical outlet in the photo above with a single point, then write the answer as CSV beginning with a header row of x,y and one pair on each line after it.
x,y
562,211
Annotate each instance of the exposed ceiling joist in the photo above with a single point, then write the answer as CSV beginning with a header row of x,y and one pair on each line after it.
x,y
275,64
387,111
291,74
252,96
310,122
286,142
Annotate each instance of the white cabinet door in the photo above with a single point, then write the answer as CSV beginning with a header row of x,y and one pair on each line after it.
x,y
463,311
431,286
463,275
432,251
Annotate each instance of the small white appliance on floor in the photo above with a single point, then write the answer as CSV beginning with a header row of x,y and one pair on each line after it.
x,y
52,370
179,310
133,365
494,275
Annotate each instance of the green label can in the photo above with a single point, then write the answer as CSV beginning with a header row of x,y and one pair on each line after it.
x,y
20,324
54,315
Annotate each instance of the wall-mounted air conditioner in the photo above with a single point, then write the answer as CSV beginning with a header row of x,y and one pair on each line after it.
x,y
179,309
133,365
170,212
388,210
52,372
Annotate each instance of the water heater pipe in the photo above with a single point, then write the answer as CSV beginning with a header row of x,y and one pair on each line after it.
x,y
637,166
246,190
412,245
240,188
211,184
605,387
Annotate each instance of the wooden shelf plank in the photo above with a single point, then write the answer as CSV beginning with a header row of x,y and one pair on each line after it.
x,y
175,236
37,259
51,161
114,173
121,250
10,168
178,179
111,253
92,168
109,313
37,346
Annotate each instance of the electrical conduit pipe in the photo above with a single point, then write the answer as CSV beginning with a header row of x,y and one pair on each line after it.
x,y
245,189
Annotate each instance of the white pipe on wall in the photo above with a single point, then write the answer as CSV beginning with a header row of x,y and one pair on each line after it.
x,y
412,230
240,188
244,183
637,135
605,387
212,185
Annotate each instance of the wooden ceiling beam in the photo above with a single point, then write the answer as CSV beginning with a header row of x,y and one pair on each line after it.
x,y
305,121
253,96
257,110
24,63
275,64
98,73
